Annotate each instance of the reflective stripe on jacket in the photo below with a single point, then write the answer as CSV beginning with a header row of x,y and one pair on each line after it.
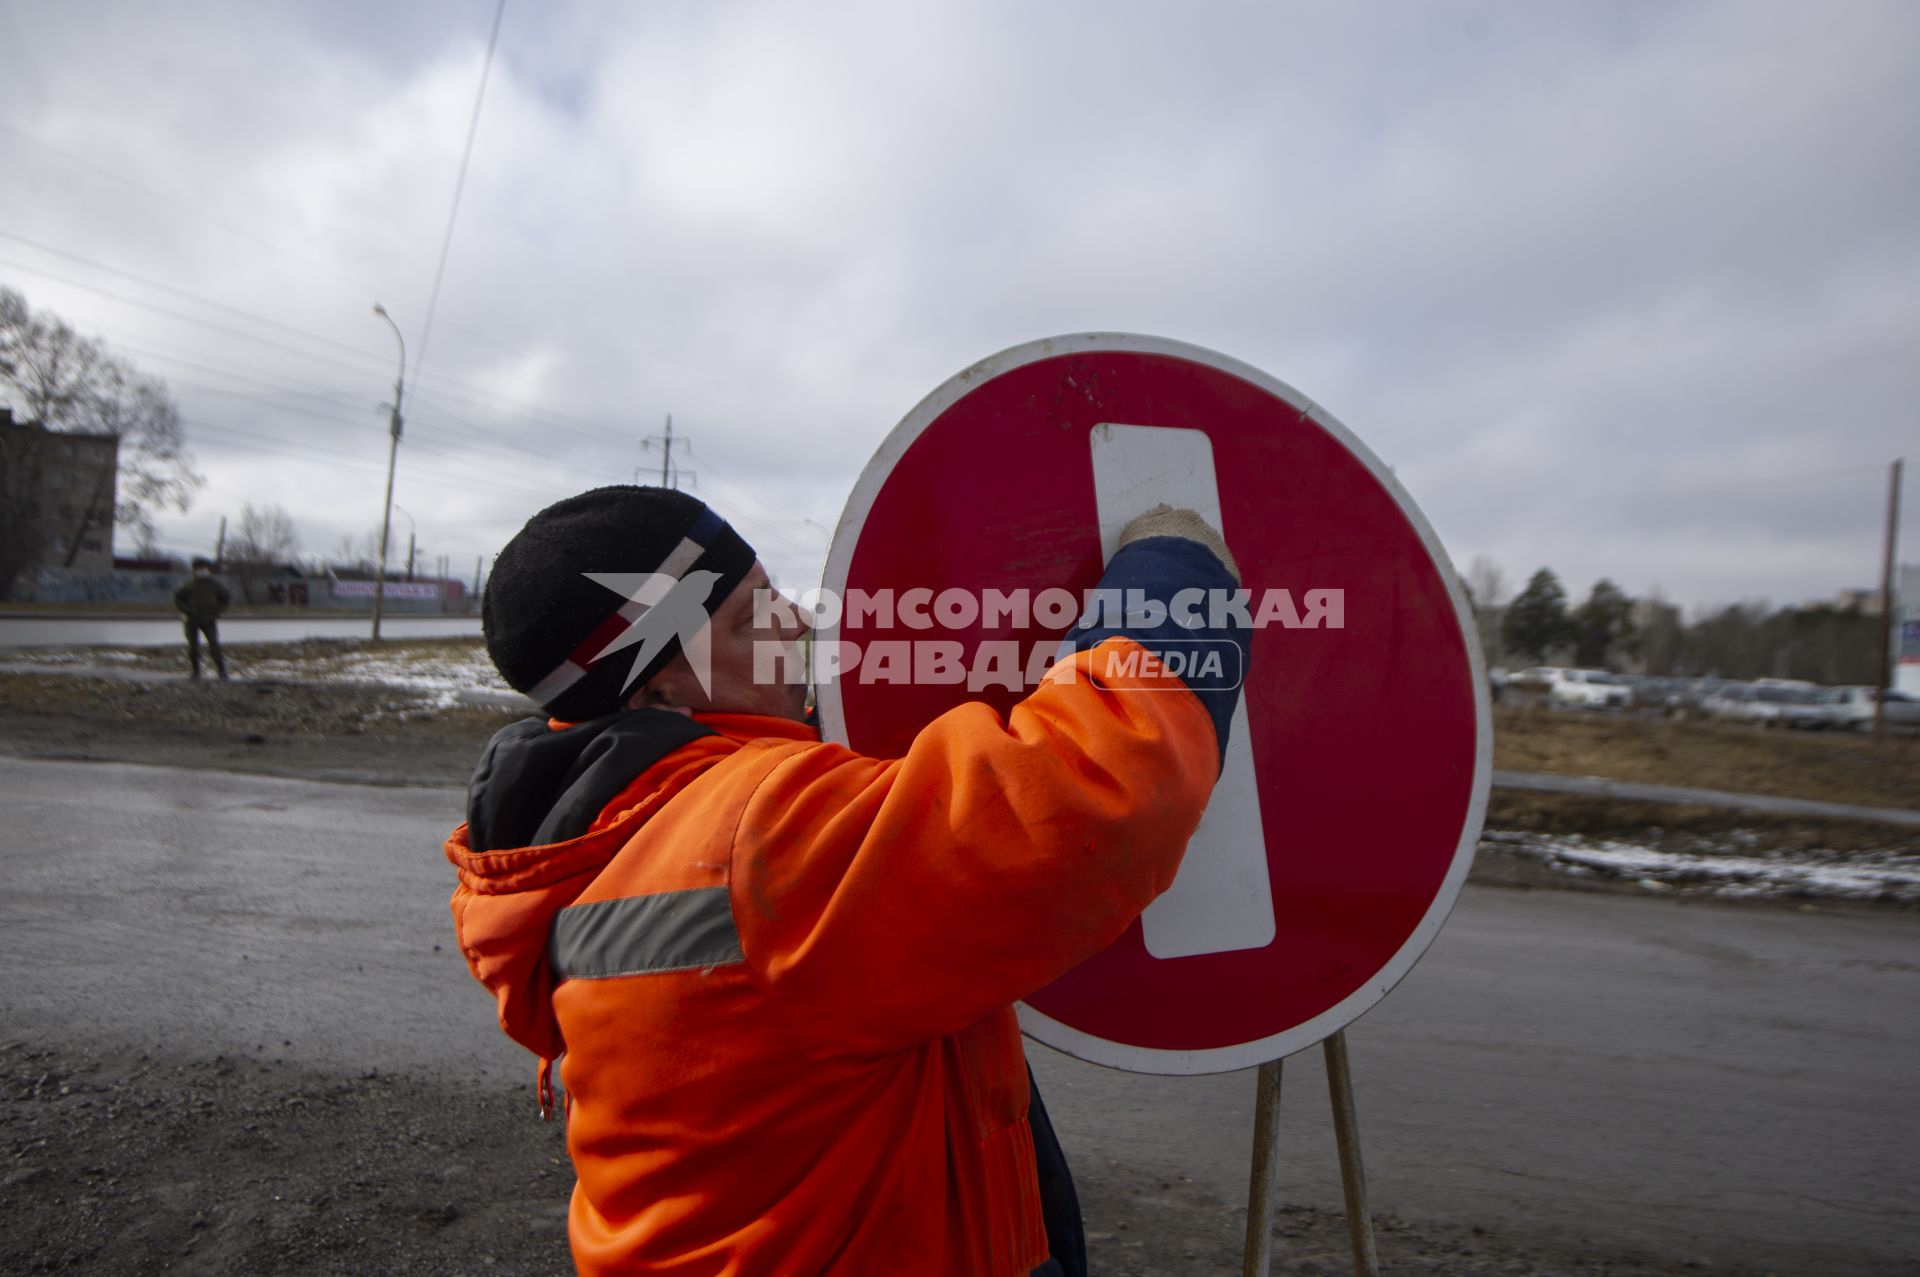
x,y
781,973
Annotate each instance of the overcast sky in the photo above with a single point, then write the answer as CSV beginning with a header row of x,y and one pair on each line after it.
x,y
1623,289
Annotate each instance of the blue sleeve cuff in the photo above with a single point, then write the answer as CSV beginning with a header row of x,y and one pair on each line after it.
x,y
1171,596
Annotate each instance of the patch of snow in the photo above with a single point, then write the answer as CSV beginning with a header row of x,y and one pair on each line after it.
x,y
438,679
65,656
1890,874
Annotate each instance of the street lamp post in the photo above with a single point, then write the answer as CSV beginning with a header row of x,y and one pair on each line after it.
x,y
393,453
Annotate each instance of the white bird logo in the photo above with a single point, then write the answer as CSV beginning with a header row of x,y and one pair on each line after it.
x,y
660,609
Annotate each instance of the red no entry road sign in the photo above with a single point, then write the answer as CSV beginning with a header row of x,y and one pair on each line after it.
x,y
1357,776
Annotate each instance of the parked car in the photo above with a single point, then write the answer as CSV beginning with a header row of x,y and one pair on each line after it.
x,y
1851,709
1688,697
1664,695
1733,703
1529,686
1590,689
1798,707
1766,704
1789,684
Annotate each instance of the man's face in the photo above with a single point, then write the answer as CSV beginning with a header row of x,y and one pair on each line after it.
x,y
743,677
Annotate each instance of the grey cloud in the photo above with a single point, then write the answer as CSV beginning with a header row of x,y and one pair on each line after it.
x,y
1520,250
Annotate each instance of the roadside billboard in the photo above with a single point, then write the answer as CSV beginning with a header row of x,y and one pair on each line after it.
x,y
423,591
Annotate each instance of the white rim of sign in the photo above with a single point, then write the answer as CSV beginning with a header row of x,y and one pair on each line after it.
x,y
1044,1028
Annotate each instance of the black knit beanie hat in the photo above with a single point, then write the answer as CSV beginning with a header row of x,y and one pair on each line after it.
x,y
548,623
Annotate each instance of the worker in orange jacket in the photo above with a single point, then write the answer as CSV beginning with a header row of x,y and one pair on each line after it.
x,y
779,975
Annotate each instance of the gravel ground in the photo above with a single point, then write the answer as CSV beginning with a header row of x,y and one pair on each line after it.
x,y
364,733
165,1163
251,1167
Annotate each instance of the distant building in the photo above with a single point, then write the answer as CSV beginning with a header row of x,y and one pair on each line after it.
x,y
61,489
166,563
1860,599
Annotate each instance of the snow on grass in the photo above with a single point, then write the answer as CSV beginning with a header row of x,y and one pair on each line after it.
x,y
435,671
438,676
65,656
1891,874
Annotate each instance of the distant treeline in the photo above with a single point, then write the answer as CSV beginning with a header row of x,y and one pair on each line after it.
x,y
1612,630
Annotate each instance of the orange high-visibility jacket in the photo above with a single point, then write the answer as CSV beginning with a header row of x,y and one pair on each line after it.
x,y
781,973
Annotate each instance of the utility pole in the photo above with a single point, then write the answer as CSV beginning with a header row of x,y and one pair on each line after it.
x,y
394,422
411,533
220,547
1887,617
669,472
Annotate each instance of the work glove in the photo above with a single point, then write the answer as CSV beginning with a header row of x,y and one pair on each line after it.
x,y
1166,521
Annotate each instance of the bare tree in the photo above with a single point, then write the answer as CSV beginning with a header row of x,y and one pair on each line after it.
x,y
359,553
262,541
1824,644
1486,586
1486,582
1660,633
1730,642
72,384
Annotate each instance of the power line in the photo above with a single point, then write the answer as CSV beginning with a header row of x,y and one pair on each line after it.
x,y
501,440
546,416
429,401
158,352
314,452
436,441
599,434
184,293
331,269
459,187
533,412
185,318
743,509
342,413
343,398
340,400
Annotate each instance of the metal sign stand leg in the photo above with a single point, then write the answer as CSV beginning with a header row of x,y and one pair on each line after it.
x,y
1266,1172
1266,1165
1353,1176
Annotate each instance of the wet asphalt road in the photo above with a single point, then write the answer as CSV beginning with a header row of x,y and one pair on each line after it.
x,y
1733,1085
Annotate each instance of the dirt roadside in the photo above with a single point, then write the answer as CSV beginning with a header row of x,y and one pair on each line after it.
x,y
154,1161
359,734
249,1167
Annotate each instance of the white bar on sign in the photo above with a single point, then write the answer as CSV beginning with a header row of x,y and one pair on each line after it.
x,y
1222,898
